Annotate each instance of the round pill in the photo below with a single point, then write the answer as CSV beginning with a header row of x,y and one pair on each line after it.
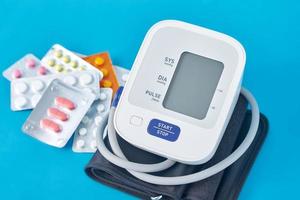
x,y
66,59
35,99
100,108
58,53
37,86
82,131
98,120
30,63
20,87
42,70
103,96
85,79
74,64
71,80
106,83
85,120
104,72
20,102
80,143
59,68
93,144
99,61
17,73
124,77
51,62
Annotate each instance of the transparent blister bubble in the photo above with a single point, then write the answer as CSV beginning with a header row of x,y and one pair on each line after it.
x,y
60,60
27,66
58,113
92,123
122,74
26,92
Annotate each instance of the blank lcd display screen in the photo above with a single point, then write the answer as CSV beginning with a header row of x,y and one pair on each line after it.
x,y
193,85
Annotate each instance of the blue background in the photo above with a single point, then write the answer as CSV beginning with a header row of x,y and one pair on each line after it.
x,y
269,31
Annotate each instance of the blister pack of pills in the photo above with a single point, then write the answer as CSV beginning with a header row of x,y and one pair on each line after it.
x,y
60,60
122,74
27,66
103,62
58,113
26,92
93,123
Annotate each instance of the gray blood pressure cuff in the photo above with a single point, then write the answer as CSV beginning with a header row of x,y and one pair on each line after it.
x,y
224,185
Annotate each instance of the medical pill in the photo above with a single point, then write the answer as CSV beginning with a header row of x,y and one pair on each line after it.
x,y
103,63
65,103
99,61
71,80
82,131
74,64
104,72
37,86
58,53
66,59
20,102
93,123
30,63
106,83
51,62
20,87
98,120
124,77
85,79
85,120
80,144
16,73
59,67
58,114
50,125
35,99
103,96
100,108
42,70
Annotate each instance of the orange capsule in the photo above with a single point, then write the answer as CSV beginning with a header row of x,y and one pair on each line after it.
x,y
58,114
64,102
50,125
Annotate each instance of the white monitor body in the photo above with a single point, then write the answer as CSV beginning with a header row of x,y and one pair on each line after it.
x,y
181,91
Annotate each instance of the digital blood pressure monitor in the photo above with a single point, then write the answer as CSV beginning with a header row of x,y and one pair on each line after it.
x,y
181,92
